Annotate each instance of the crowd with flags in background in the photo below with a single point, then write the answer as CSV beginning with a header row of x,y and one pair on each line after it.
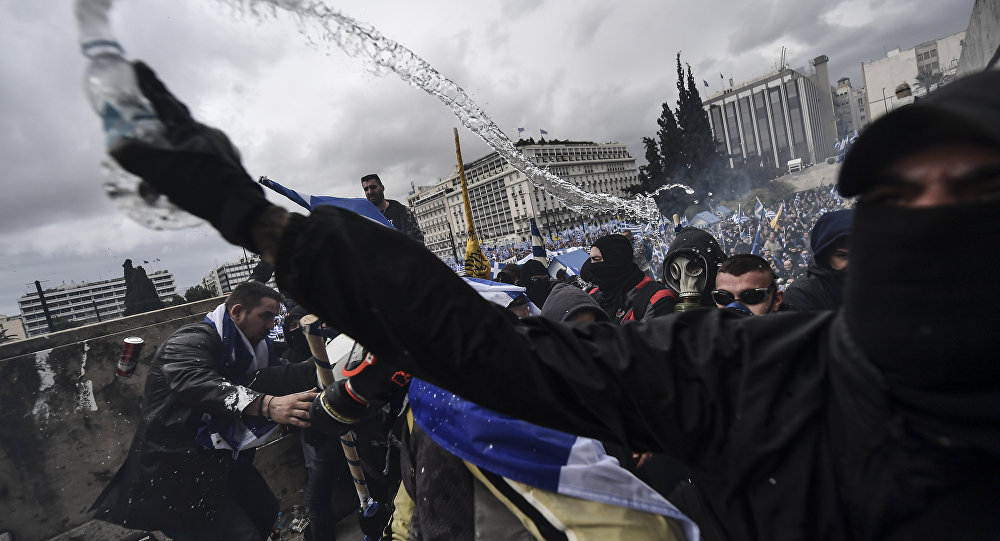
x,y
789,220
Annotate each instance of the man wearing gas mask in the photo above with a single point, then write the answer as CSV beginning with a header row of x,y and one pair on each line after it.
x,y
691,267
875,421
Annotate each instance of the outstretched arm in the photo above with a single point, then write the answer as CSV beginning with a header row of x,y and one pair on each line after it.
x,y
666,385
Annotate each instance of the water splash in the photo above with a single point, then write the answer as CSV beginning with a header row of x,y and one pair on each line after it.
x,y
383,55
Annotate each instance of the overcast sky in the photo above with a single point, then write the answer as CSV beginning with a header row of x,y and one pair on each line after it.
x,y
317,119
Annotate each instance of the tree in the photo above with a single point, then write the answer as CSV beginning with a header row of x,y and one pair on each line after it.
x,y
140,292
174,300
651,174
669,136
197,293
697,146
929,79
61,323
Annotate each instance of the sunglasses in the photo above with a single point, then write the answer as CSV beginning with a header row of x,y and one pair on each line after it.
x,y
747,296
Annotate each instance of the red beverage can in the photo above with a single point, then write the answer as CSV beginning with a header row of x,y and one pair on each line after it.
x,y
130,356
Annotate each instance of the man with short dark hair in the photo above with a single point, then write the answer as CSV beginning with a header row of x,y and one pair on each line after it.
x,y
214,393
399,215
747,283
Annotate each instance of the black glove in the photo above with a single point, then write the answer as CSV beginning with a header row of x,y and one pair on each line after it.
x,y
200,170
334,412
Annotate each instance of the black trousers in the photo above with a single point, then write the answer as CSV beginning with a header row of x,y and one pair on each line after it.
x,y
247,512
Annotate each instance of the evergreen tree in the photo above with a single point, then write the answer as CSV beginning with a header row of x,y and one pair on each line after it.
x,y
670,142
651,173
197,293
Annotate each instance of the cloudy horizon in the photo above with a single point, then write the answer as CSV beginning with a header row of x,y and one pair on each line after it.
x,y
317,120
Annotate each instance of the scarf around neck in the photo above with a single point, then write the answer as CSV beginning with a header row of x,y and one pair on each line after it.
x,y
236,357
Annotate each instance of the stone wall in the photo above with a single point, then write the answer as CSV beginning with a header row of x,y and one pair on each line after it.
x,y
68,421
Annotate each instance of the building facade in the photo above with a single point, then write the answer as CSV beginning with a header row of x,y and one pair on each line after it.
x,y
981,45
937,60
224,278
777,117
12,328
85,303
503,200
849,107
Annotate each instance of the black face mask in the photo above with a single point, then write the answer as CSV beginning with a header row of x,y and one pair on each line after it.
x,y
914,305
914,298
615,276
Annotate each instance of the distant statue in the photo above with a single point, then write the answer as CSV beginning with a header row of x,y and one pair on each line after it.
x,y
140,293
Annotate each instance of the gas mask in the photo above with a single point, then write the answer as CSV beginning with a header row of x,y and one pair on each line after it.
x,y
688,276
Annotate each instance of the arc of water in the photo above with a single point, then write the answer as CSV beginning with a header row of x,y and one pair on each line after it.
x,y
364,41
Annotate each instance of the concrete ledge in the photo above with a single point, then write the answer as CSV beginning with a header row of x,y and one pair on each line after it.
x,y
68,422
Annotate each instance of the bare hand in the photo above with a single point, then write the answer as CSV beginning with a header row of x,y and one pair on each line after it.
x,y
642,458
291,409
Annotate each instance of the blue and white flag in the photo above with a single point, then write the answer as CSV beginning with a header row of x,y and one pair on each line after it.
x,y
357,205
520,131
543,132
537,244
499,292
634,228
759,212
530,454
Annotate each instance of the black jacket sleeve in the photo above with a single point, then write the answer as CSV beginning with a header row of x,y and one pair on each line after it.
x,y
190,372
669,385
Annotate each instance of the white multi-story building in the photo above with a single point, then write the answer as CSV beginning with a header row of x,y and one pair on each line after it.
x,y
503,200
849,106
885,75
776,117
85,303
224,278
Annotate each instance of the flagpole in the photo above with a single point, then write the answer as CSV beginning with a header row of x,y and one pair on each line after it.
x,y
476,264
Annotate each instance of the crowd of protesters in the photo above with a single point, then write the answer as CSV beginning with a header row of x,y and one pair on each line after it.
x,y
874,417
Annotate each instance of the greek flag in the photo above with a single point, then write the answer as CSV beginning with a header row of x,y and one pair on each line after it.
x,y
635,229
759,212
499,293
358,205
540,457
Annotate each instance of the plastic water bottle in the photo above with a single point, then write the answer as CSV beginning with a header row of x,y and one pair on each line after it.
x,y
126,114
109,80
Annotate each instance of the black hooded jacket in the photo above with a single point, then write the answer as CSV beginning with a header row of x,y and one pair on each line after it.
x,y
822,288
800,428
692,241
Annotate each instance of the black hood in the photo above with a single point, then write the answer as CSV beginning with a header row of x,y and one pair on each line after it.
x,y
566,300
829,228
694,241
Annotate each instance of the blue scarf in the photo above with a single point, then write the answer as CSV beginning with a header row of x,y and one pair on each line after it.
x,y
237,357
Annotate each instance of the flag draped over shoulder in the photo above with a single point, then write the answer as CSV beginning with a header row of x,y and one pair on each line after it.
x,y
357,205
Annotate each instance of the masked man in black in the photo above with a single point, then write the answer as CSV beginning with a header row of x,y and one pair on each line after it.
x,y
876,421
